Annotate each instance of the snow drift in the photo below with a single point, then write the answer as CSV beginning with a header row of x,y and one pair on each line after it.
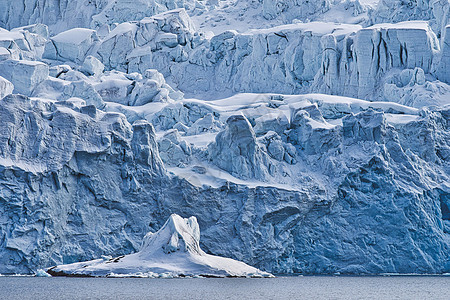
x,y
173,251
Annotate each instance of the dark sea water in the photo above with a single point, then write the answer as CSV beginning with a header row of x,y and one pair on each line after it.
x,y
306,287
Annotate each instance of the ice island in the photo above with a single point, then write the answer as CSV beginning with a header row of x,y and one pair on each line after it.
x,y
173,251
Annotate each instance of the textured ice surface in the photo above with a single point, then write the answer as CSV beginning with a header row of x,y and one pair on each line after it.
x,y
437,11
238,142
294,9
92,66
443,66
331,58
62,15
369,180
172,251
23,43
71,45
6,87
25,75
103,146
321,57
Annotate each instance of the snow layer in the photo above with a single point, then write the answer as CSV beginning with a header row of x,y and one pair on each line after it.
x,y
172,251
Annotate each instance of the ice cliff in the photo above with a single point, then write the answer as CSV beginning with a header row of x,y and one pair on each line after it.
x,y
63,14
367,191
330,58
320,57
306,147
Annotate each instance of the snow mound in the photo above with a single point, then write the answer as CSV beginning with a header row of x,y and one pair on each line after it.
x,y
173,251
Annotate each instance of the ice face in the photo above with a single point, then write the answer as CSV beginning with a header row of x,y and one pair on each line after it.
x,y
238,141
26,42
444,62
331,58
6,87
436,11
294,9
374,165
24,75
92,66
297,58
61,16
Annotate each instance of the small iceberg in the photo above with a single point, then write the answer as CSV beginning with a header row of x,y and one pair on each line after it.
x,y
41,273
173,251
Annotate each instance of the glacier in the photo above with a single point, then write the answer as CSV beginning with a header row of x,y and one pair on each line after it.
x,y
314,140
339,59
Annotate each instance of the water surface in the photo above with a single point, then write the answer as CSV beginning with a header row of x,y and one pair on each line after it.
x,y
304,287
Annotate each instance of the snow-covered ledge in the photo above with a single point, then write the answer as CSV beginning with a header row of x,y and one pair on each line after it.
x,y
173,251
